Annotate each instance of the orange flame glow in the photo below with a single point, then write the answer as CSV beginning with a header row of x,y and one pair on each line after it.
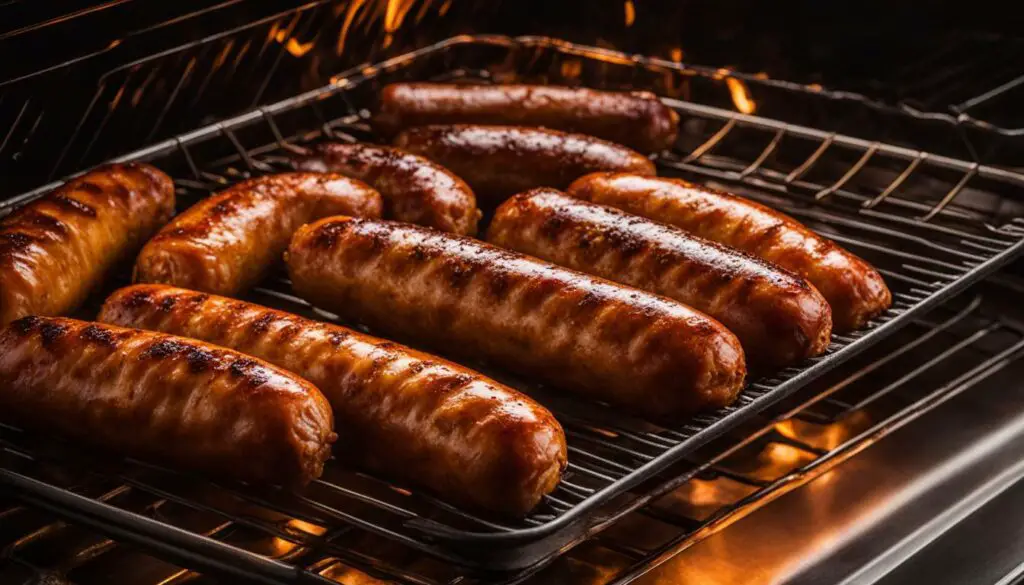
x,y
630,13
298,49
676,54
740,96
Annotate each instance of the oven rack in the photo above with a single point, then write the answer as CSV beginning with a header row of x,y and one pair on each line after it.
x,y
932,224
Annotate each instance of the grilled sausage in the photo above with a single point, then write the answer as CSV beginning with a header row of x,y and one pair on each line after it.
x,y
779,317
500,161
226,243
55,251
415,189
855,290
636,119
155,396
405,414
625,346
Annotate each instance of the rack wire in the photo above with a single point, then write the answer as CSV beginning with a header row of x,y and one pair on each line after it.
x,y
932,225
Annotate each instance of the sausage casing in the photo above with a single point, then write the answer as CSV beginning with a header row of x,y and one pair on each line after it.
x,y
779,317
155,396
227,243
636,119
55,251
403,413
415,189
500,161
605,341
853,288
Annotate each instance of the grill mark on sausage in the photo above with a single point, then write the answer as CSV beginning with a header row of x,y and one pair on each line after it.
x,y
52,332
26,325
98,335
72,205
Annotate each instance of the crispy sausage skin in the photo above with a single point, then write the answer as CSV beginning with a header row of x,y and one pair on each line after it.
x,y
226,243
155,396
779,317
415,189
605,341
500,161
55,251
855,290
636,119
400,412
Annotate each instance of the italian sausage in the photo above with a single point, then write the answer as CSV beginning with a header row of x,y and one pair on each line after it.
x,y
778,317
171,399
415,189
400,412
636,119
55,251
227,243
854,290
605,341
500,161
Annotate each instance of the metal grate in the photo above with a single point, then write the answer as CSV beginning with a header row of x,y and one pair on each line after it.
x,y
959,346
931,224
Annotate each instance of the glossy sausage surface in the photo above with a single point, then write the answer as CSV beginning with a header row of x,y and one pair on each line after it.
x,y
500,161
415,189
853,288
155,396
636,119
400,412
779,317
228,242
585,334
55,251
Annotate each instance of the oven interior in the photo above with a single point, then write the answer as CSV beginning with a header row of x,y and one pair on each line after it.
x,y
847,164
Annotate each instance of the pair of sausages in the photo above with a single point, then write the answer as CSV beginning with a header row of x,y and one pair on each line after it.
x,y
630,348
854,290
399,412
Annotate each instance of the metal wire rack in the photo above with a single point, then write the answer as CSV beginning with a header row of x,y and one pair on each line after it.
x,y
931,224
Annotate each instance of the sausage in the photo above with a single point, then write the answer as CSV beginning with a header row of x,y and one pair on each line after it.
x,y
55,251
636,119
855,290
779,317
401,413
415,189
154,396
227,243
500,161
605,341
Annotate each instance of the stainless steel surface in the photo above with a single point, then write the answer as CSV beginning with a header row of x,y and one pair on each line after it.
x,y
904,500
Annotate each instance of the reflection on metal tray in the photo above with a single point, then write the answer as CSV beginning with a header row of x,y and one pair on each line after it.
x,y
931,224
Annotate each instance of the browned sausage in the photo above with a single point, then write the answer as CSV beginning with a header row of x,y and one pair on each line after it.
x,y
779,317
855,290
415,189
500,161
55,251
636,119
400,412
155,396
605,341
227,243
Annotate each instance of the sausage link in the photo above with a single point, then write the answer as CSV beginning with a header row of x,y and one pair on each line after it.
x,y
500,161
400,412
636,119
415,189
853,288
603,340
55,251
779,317
171,399
227,243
